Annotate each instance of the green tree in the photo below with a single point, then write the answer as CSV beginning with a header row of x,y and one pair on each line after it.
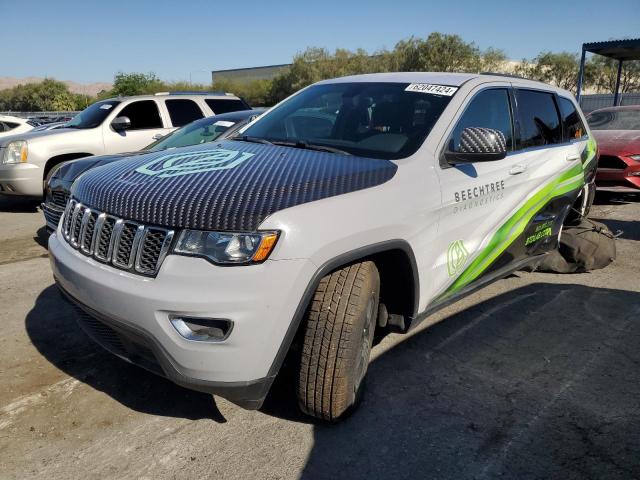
x,y
559,69
126,84
604,72
441,52
49,94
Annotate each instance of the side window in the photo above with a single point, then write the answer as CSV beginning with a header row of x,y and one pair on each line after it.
x,y
538,118
6,126
488,109
225,105
143,114
183,111
573,126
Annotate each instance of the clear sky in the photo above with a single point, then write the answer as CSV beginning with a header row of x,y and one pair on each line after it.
x,y
89,40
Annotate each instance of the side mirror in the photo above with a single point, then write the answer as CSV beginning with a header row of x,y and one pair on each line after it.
x,y
478,145
120,124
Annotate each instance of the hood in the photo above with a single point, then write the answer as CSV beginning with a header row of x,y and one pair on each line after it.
x,y
617,142
72,169
228,185
35,136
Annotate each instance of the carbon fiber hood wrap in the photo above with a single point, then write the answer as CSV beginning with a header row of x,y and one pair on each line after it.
x,y
229,185
73,169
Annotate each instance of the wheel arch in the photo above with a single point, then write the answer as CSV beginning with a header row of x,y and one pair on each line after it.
x,y
57,159
393,258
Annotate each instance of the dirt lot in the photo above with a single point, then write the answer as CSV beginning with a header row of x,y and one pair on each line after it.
x,y
536,376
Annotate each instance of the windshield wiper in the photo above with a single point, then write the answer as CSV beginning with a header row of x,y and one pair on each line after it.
x,y
311,146
246,138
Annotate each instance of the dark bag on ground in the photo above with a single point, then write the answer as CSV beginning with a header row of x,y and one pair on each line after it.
x,y
586,246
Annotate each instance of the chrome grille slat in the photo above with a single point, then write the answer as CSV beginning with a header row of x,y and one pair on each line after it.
x,y
68,216
88,230
124,244
124,250
76,225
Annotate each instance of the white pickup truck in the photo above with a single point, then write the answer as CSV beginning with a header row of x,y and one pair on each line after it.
x,y
117,125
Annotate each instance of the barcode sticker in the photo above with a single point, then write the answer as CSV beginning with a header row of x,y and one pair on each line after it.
x,y
430,88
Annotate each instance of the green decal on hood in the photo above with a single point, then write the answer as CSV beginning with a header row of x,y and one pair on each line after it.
x,y
176,164
509,231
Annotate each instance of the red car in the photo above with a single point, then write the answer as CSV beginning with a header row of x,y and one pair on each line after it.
x,y
617,132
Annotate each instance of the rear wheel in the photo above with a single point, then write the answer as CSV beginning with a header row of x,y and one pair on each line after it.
x,y
340,325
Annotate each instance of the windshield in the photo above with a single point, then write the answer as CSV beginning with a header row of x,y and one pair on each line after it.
x,y
615,120
93,115
195,133
379,120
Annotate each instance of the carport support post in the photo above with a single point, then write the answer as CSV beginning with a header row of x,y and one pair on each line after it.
x,y
581,75
617,94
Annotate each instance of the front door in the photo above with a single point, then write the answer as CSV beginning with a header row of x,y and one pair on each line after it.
x,y
146,127
478,198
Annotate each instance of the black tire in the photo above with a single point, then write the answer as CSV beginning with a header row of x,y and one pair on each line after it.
x,y
339,330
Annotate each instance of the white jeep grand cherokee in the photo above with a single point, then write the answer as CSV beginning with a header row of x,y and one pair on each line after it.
x,y
357,203
117,125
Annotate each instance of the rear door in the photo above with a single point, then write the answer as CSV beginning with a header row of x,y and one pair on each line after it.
x,y
146,126
554,170
183,111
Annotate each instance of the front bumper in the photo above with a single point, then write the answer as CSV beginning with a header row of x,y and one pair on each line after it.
x,y
627,180
129,315
21,179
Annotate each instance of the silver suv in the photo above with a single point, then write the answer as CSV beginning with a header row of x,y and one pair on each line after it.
x,y
116,125
356,204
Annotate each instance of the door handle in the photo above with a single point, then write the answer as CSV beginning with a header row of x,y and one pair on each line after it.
x,y
157,136
517,169
573,158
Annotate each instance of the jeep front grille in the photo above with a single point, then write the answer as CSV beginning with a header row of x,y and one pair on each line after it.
x,y
125,244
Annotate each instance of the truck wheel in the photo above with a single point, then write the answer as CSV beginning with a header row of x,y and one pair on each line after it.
x,y
340,325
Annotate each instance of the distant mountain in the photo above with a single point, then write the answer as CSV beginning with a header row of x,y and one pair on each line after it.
x,y
85,88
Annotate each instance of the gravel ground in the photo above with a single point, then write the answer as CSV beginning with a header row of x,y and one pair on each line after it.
x,y
535,376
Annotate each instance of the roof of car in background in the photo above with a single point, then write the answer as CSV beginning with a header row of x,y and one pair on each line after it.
x,y
234,117
11,118
618,108
174,95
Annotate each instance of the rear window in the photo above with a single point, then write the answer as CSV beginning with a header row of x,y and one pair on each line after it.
x,y
226,105
538,118
573,126
615,120
183,111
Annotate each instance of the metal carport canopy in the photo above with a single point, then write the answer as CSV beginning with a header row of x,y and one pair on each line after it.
x,y
621,50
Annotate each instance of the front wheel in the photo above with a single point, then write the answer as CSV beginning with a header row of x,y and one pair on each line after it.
x,y
339,331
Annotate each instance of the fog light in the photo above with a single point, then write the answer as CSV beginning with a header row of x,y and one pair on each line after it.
x,y
633,174
202,329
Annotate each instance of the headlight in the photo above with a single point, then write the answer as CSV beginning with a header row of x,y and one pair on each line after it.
x,y
635,157
15,152
227,247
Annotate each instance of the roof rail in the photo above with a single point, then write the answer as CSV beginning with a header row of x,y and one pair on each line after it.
x,y
194,92
509,75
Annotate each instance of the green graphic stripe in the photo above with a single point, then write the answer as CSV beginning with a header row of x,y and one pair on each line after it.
x,y
590,153
508,232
